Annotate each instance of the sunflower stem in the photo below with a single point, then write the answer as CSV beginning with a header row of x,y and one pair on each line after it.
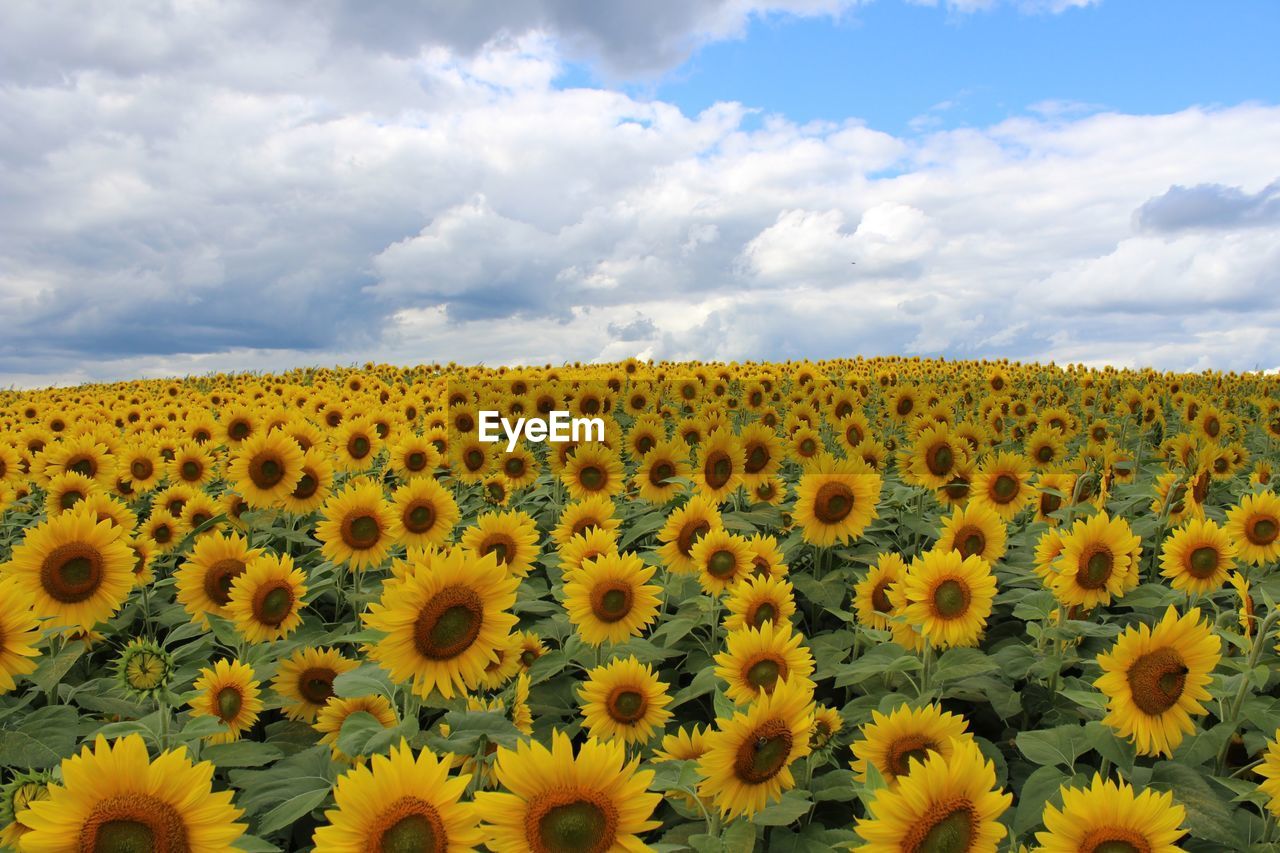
x,y
926,670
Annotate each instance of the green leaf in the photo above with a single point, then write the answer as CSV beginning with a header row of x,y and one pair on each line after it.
x,y
794,805
52,669
241,753
1209,816
962,663
1060,745
365,680
41,739
1041,787
291,810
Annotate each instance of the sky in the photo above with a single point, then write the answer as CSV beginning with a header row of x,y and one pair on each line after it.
x,y
216,185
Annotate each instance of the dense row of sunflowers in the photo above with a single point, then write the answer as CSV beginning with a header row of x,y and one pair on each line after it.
x,y
896,605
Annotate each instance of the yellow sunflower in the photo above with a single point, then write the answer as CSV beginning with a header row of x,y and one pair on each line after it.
x,y
748,760
229,693
761,453
192,465
654,476
945,803
414,456
204,581
266,598
757,660
359,526
759,600
871,602
682,530
1269,770
512,537
305,680
624,700
935,456
1048,502
19,633
836,500
595,542
1098,562
314,486
1155,680
265,468
426,510
722,560
720,466
445,621
889,742
399,802
1198,557
1110,816
974,530
949,597
581,516
76,569
1002,483
1254,525
609,599
593,470
336,711
68,490
113,797
557,801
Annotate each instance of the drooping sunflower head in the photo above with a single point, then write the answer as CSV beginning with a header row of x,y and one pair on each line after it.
x,y
15,797
266,599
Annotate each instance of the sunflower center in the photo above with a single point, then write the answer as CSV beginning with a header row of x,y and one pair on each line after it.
x,y
514,467
951,598
591,478
939,459
420,518
1045,453
1095,568
1156,680
718,469
764,612
316,684
880,597
474,459
502,547
905,405
970,541
1050,504
833,503
1262,531
265,471
217,580
611,602
626,705
691,533
361,532
1004,489
757,459
273,603
764,674
1114,839
229,704
358,447
133,823
448,623
903,750
307,486
645,443
661,472
409,825
763,753
71,573
141,469
239,430
415,461
190,470
1203,561
947,827
722,564
808,447
571,822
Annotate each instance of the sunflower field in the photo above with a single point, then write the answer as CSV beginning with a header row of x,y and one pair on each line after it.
x,y
877,604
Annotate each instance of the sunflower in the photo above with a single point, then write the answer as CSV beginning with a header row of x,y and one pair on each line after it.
x,y
305,680
934,457
414,456
229,693
1155,679
336,711
748,760
770,490
761,454
1002,482
949,597
162,530
624,700
204,581
609,599
871,602
1053,492
426,510
557,801
15,796
1198,557
445,621
682,530
76,569
114,798
359,526
664,462
581,516
721,463
399,802
1269,770
593,470
19,633
1254,525
1045,447
67,490
265,468
1110,816
682,745
595,542
759,600
1098,562
888,742
191,464
722,559
757,660
314,486
836,500
949,804
83,454
520,467
512,537
805,443
974,531
144,669
356,444
266,598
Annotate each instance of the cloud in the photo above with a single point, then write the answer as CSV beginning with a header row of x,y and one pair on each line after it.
x,y
1209,206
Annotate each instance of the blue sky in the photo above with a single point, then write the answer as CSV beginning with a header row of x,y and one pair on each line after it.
x,y
247,185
